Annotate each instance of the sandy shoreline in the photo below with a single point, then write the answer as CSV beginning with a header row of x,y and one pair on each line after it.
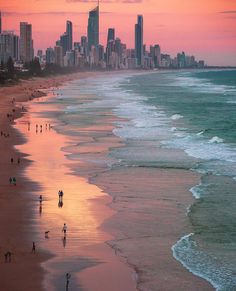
x,y
15,214
146,248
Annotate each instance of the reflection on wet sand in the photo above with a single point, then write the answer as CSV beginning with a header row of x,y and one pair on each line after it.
x,y
83,245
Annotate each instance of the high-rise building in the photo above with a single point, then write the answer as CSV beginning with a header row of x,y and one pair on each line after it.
x,y
9,46
50,56
64,42
0,21
26,42
58,54
93,28
155,53
111,34
139,40
69,32
16,55
84,46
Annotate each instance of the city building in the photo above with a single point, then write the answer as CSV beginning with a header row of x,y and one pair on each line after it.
x,y
9,46
93,28
111,34
64,42
69,32
58,54
155,53
26,42
50,56
139,40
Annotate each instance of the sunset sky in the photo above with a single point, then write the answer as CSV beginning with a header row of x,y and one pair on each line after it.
x,y
204,28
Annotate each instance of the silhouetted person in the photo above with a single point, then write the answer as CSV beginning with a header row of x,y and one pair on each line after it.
x,y
18,161
40,199
46,234
14,180
68,275
12,160
33,248
7,256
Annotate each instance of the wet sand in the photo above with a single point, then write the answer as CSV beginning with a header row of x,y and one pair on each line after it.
x,y
84,247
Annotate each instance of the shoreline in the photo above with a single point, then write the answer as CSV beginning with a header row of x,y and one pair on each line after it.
x,y
16,223
101,176
110,224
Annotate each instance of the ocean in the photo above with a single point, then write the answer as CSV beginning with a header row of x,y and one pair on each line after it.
x,y
195,112
171,111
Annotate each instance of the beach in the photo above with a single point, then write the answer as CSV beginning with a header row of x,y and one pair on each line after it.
x,y
122,220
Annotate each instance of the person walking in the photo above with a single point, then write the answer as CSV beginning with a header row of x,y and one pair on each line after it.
x,y
68,276
33,248
14,181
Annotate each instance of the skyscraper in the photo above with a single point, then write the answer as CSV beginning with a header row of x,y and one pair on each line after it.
x,y
26,42
69,32
139,40
0,21
111,34
9,46
64,42
93,28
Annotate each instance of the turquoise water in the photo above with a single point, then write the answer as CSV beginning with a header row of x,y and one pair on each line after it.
x,y
197,112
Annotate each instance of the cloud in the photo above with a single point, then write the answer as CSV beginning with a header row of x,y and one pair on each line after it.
x,y
228,12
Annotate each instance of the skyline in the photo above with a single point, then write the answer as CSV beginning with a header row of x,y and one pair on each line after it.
x,y
209,35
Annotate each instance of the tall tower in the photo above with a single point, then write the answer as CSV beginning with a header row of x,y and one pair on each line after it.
x,y
93,28
0,21
26,42
111,34
139,40
69,32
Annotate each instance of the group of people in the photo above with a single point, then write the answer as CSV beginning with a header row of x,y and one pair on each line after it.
x,y
5,134
40,127
12,181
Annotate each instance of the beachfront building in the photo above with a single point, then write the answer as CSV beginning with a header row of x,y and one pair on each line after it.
x,y
50,56
9,46
26,42
139,40
58,53
93,28
155,54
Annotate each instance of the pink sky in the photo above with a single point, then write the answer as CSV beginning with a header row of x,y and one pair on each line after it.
x,y
204,28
